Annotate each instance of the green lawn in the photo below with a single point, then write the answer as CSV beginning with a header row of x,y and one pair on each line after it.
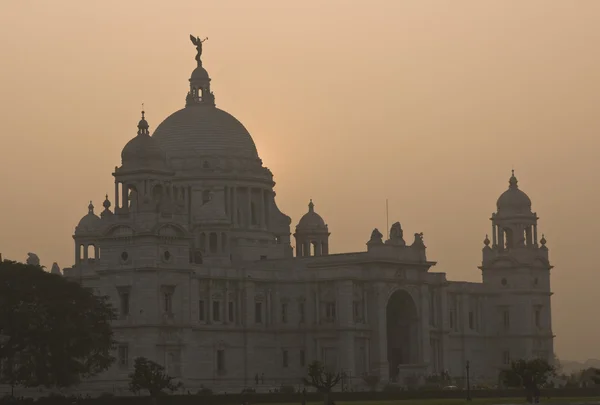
x,y
475,401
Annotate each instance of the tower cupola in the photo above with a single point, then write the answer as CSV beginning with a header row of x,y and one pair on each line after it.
x,y
312,234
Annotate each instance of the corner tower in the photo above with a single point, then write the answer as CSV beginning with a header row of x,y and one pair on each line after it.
x,y
516,270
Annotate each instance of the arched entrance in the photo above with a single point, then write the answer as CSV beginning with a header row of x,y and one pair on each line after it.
x,y
402,332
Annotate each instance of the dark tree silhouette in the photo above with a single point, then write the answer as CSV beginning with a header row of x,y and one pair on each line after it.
x,y
53,332
150,376
372,381
529,374
322,379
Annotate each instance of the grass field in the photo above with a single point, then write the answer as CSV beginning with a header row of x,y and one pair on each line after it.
x,y
475,401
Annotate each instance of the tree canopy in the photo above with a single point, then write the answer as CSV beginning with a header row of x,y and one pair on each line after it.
x,y
528,373
53,332
151,376
321,378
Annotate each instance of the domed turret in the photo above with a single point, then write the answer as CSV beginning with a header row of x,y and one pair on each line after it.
x,y
143,151
312,231
513,200
311,220
89,223
514,226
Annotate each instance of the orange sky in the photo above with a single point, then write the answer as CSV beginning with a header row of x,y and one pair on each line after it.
x,y
427,103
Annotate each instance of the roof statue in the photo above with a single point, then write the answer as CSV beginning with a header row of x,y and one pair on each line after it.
x,y
198,42
33,259
396,235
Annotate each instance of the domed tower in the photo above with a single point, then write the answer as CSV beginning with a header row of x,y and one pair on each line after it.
x,y
86,237
145,177
311,231
210,151
516,268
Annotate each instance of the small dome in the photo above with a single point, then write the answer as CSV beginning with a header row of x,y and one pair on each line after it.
x,y
143,150
88,223
311,220
199,74
513,200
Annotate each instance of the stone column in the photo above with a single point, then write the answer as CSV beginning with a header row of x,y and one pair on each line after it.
x,y
494,236
425,341
125,196
234,209
535,235
318,249
209,303
445,326
379,348
249,206
116,195
345,295
261,207
365,305
226,303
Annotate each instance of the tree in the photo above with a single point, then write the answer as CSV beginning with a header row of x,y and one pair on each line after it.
x,y
372,381
322,379
53,332
529,374
150,376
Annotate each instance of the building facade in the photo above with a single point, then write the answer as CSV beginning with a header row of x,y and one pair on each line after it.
x,y
198,259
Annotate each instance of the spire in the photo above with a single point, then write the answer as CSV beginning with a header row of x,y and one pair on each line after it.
x,y
91,208
311,206
143,124
513,180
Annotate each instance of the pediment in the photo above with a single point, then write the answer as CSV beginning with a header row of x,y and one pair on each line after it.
x,y
119,231
503,263
171,230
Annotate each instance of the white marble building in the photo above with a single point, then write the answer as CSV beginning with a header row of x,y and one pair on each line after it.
x,y
198,260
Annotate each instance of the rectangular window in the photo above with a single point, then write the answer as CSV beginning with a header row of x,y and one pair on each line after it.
x,y
302,358
123,355
356,311
506,319
284,313
201,311
506,357
285,359
452,320
231,312
301,312
221,361
471,320
168,303
330,311
124,303
216,311
258,312
538,318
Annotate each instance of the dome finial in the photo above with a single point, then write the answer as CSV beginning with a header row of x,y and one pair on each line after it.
x,y
91,208
513,180
143,124
106,203
311,206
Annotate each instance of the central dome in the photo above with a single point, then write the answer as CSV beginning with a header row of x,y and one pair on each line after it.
x,y
204,130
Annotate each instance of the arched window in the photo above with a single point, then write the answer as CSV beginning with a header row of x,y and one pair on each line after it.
x,y
213,242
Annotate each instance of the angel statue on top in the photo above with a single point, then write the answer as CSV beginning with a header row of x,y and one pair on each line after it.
x,y
198,42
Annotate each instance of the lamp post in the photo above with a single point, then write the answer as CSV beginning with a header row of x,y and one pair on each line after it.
x,y
468,367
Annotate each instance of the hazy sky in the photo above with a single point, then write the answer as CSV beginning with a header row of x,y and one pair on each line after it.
x,y
427,103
